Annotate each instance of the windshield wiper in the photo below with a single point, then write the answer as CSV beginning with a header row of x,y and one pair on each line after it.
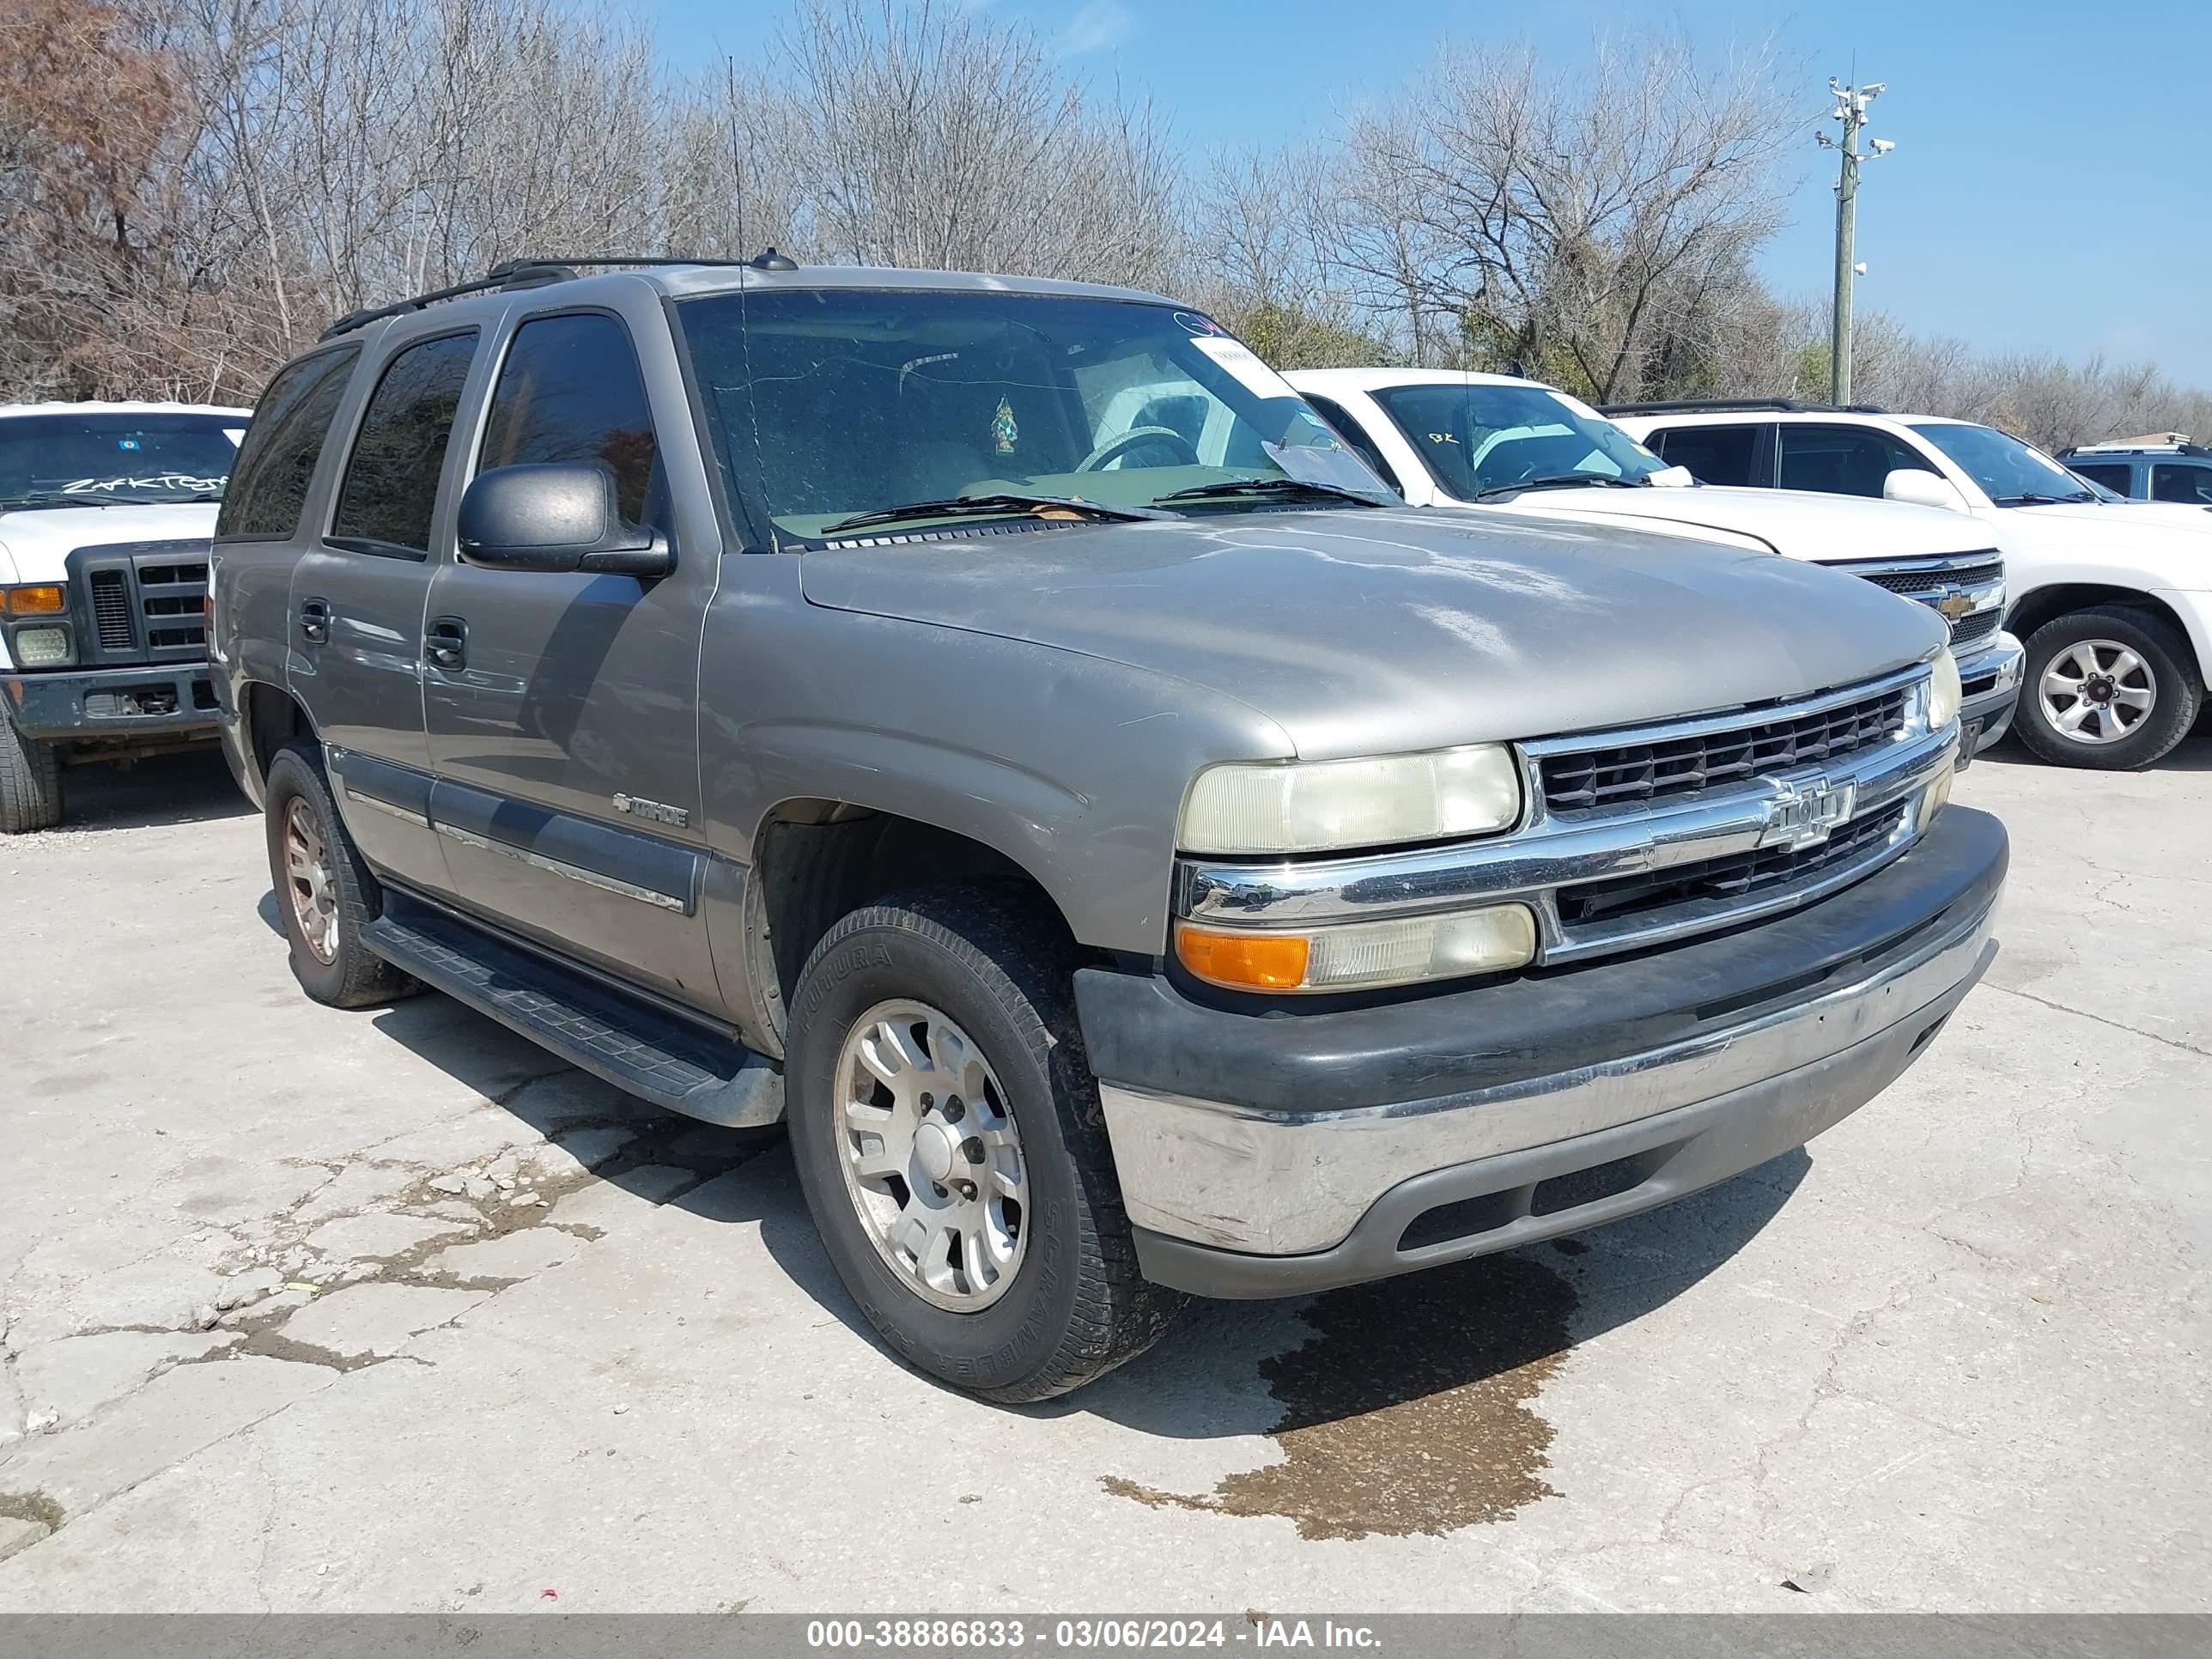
x,y
40,503
1561,481
1236,488
2033,499
997,504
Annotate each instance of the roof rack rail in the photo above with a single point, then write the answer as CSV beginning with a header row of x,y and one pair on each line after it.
x,y
1738,406
537,272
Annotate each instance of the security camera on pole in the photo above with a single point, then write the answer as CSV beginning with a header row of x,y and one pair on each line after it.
x,y
1851,109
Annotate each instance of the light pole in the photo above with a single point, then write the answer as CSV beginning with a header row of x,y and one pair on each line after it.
x,y
1851,109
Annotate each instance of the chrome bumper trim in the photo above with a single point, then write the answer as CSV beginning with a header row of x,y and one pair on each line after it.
x,y
1279,1184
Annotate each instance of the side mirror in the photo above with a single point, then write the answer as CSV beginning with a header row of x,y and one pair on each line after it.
x,y
555,516
1923,489
1673,478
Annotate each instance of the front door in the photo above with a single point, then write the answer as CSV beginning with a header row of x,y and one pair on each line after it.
x,y
357,604
562,709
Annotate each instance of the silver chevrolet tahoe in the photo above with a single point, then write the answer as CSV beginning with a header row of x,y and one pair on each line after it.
x,y
994,728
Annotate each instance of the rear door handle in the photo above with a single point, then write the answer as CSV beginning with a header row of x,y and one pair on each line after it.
x,y
315,621
446,643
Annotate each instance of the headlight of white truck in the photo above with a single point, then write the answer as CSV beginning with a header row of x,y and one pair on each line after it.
x,y
1245,809
1943,692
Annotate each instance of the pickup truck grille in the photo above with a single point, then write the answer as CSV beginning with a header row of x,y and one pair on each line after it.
x,y
1633,774
1740,877
143,602
1930,581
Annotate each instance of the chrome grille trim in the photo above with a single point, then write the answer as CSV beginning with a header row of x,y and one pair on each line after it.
x,y
1551,852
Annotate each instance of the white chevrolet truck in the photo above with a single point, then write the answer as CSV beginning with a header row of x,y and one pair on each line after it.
x,y
1496,443
106,510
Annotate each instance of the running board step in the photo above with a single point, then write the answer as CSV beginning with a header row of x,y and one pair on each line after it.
x,y
656,1056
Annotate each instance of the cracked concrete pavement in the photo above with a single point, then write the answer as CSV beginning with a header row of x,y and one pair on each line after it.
x,y
307,1310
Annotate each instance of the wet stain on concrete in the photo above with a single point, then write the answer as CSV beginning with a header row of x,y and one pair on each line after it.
x,y
1409,1410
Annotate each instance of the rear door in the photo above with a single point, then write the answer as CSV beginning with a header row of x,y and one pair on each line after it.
x,y
562,708
1843,460
357,598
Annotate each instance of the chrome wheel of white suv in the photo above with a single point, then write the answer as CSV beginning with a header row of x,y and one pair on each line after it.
x,y
2098,692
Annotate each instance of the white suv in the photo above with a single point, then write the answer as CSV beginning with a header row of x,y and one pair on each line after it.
x,y
1495,443
2114,599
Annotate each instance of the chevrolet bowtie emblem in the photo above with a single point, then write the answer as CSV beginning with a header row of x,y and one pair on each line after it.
x,y
1955,602
1806,810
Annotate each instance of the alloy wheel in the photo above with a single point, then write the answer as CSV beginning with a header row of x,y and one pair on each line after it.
x,y
2097,691
307,876
932,1155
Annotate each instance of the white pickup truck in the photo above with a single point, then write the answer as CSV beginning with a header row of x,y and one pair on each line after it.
x,y
1495,442
106,510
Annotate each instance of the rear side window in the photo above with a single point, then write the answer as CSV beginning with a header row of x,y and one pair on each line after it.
x,y
1356,436
2112,476
571,390
2183,482
391,486
1843,460
1714,454
276,464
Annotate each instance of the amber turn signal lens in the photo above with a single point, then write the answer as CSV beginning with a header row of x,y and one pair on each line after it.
x,y
47,600
1244,962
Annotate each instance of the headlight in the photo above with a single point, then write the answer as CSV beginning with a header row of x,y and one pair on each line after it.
x,y
42,647
1943,692
1361,955
1286,806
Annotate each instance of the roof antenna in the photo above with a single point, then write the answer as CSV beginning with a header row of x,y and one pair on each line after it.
x,y
769,259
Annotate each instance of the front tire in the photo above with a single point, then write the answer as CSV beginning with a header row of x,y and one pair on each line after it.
x,y
324,893
30,782
950,1142
2110,689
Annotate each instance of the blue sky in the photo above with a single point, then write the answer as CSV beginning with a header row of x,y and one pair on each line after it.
x,y
2051,189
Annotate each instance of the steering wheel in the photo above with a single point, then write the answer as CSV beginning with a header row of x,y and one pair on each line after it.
x,y
1113,448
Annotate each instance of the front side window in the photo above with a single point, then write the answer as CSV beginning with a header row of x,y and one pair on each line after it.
x,y
96,460
1712,454
2113,475
276,462
1843,460
2011,473
2181,482
833,404
571,390
1480,439
391,488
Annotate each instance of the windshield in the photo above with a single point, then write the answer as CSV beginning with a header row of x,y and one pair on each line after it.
x,y
2011,473
1476,438
59,460
830,405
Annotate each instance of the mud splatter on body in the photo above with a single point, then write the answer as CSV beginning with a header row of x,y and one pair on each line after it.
x,y
1408,1409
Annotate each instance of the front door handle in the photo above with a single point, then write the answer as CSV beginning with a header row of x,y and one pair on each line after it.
x,y
446,643
315,621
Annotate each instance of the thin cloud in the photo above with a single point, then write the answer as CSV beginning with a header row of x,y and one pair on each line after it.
x,y
1100,24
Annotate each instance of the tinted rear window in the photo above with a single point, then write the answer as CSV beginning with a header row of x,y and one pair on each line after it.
x,y
1714,454
277,463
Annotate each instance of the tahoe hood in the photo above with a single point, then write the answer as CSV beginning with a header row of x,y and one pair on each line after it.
x,y
1376,631
1800,525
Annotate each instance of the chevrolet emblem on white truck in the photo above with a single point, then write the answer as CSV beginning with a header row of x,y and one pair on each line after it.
x,y
1807,810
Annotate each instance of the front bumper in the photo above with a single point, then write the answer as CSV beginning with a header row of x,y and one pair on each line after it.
x,y
1990,685
1267,1156
167,699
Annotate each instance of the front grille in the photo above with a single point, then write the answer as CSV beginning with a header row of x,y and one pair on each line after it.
x,y
1977,626
110,611
1911,582
1636,773
1734,878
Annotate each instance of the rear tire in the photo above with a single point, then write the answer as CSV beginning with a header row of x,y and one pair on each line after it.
x,y
325,894
995,972
30,782
2153,662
